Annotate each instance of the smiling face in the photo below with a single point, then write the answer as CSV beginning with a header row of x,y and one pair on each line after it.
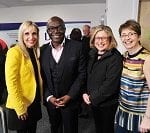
x,y
56,30
130,39
86,30
102,41
130,34
30,37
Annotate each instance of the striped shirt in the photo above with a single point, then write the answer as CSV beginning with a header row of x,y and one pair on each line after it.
x,y
134,91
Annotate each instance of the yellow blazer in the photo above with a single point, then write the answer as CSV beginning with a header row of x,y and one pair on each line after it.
x,y
20,80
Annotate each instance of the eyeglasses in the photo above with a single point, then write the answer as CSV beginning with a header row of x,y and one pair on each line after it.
x,y
101,38
58,28
130,34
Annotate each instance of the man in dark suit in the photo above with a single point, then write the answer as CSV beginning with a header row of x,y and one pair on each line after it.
x,y
64,73
86,37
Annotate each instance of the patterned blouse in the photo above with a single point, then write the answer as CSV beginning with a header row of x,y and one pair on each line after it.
x,y
134,91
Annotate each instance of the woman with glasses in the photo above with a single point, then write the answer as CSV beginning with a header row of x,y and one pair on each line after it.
x,y
104,71
133,114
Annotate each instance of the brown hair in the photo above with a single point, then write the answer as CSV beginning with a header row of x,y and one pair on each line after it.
x,y
131,24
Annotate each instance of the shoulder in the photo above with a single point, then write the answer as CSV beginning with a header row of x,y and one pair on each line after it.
x,y
14,51
43,47
147,60
115,56
145,53
14,56
117,53
146,68
73,43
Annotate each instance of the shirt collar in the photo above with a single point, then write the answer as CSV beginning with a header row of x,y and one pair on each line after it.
x,y
62,44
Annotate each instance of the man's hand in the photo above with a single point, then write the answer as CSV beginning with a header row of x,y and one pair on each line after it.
x,y
55,101
64,100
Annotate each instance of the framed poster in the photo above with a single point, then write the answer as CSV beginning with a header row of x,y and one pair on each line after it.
x,y
9,31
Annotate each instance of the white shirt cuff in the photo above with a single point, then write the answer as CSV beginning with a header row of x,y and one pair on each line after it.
x,y
49,97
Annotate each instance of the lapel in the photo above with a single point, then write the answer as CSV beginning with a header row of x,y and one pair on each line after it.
x,y
47,58
26,57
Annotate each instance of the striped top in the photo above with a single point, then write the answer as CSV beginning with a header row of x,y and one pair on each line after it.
x,y
134,91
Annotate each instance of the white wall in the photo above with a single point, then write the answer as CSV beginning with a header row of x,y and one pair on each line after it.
x,y
117,12
77,12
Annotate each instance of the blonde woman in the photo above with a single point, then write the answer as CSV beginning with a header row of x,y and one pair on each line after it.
x,y
23,81
104,71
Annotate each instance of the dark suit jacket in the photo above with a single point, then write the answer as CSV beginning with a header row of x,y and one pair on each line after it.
x,y
72,70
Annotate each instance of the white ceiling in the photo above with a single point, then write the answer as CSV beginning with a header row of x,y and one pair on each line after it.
x,y
15,3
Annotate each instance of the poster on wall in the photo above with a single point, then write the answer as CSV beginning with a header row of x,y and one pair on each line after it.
x,y
3,44
9,31
9,37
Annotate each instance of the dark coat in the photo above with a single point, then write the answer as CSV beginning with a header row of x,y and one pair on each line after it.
x,y
104,77
3,89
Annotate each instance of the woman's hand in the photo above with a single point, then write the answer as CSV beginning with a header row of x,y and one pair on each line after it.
x,y
23,116
86,98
